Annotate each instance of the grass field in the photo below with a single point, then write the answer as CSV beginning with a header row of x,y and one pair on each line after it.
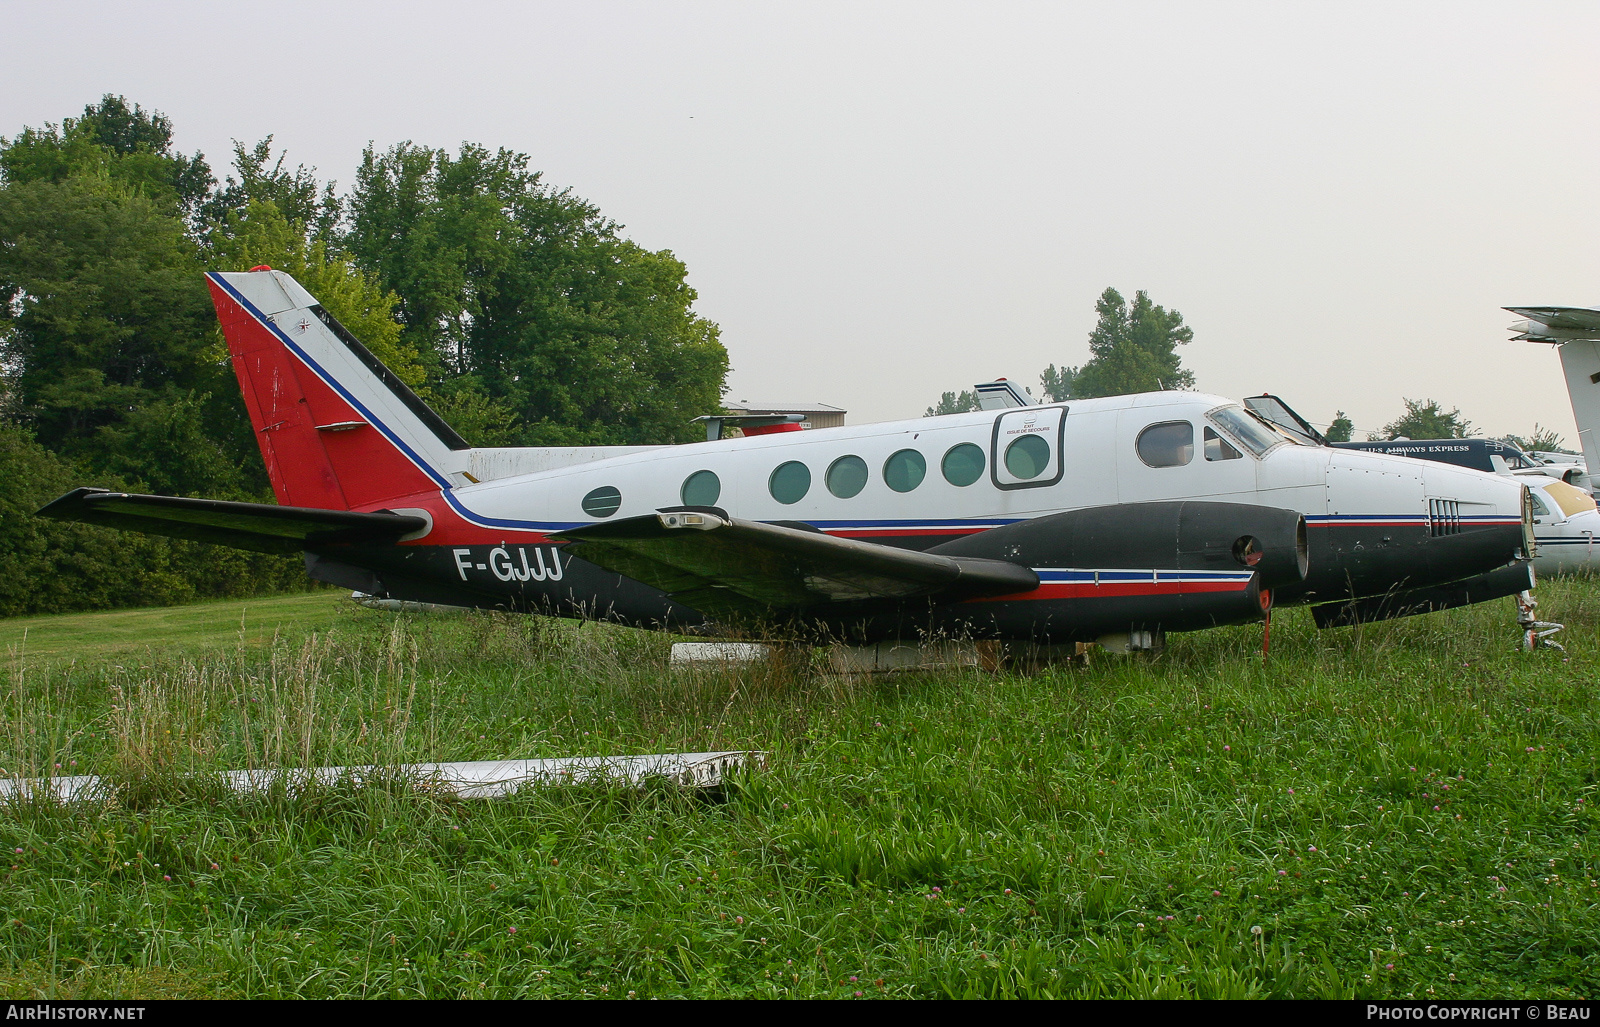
x,y
92,637
1401,810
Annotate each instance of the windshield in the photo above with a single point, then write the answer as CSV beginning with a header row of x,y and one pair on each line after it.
x,y
1257,437
1280,418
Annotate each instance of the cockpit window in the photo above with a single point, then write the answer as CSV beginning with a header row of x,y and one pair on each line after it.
x,y
1540,507
1168,444
1217,448
1255,436
1276,413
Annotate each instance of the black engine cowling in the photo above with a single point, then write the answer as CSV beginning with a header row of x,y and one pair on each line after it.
x,y
1190,536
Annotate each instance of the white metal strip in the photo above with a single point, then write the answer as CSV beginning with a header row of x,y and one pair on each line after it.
x,y
479,780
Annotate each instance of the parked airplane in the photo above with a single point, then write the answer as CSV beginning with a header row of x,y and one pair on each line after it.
x,y
1490,455
1568,467
1565,523
1042,523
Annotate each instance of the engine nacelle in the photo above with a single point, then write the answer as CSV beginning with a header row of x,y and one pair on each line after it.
x,y
1189,536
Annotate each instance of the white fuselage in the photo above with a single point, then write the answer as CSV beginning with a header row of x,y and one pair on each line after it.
x,y
1092,458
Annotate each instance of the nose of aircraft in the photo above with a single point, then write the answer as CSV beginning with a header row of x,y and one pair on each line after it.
x,y
1398,523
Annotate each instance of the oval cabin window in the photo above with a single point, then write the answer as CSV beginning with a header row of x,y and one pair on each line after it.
x,y
702,488
1028,457
905,470
963,464
847,476
790,482
602,502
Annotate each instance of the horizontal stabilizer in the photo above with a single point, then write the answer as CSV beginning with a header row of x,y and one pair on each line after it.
x,y
1582,320
735,569
261,527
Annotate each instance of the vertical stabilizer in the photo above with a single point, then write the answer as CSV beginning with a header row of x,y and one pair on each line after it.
x,y
337,429
1580,362
1576,330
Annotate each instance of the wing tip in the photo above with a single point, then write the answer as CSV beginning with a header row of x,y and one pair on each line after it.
x,y
65,508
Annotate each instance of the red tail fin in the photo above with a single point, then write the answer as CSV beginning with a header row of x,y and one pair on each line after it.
x,y
336,429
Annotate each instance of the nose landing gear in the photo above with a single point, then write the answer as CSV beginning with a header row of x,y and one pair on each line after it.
x,y
1536,633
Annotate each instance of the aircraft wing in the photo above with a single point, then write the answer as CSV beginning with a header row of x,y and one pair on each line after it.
x,y
262,527
731,568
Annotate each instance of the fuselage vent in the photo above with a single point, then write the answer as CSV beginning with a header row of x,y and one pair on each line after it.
x,y
1444,517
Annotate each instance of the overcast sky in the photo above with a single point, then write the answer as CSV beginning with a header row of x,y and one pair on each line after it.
x,y
881,202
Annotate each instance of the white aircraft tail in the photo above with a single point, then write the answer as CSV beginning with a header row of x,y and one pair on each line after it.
x,y
1576,331
1580,362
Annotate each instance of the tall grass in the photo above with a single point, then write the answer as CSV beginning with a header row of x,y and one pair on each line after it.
x,y
1403,809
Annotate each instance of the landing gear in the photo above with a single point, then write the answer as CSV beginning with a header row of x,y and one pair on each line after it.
x,y
1535,633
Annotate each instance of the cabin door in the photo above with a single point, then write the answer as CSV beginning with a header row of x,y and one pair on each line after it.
x,y
1025,450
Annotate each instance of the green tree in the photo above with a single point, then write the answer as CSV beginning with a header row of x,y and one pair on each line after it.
x,y
1340,430
105,322
296,194
954,403
1133,348
441,233
527,307
1058,383
1542,440
104,316
1427,420
49,566
126,144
